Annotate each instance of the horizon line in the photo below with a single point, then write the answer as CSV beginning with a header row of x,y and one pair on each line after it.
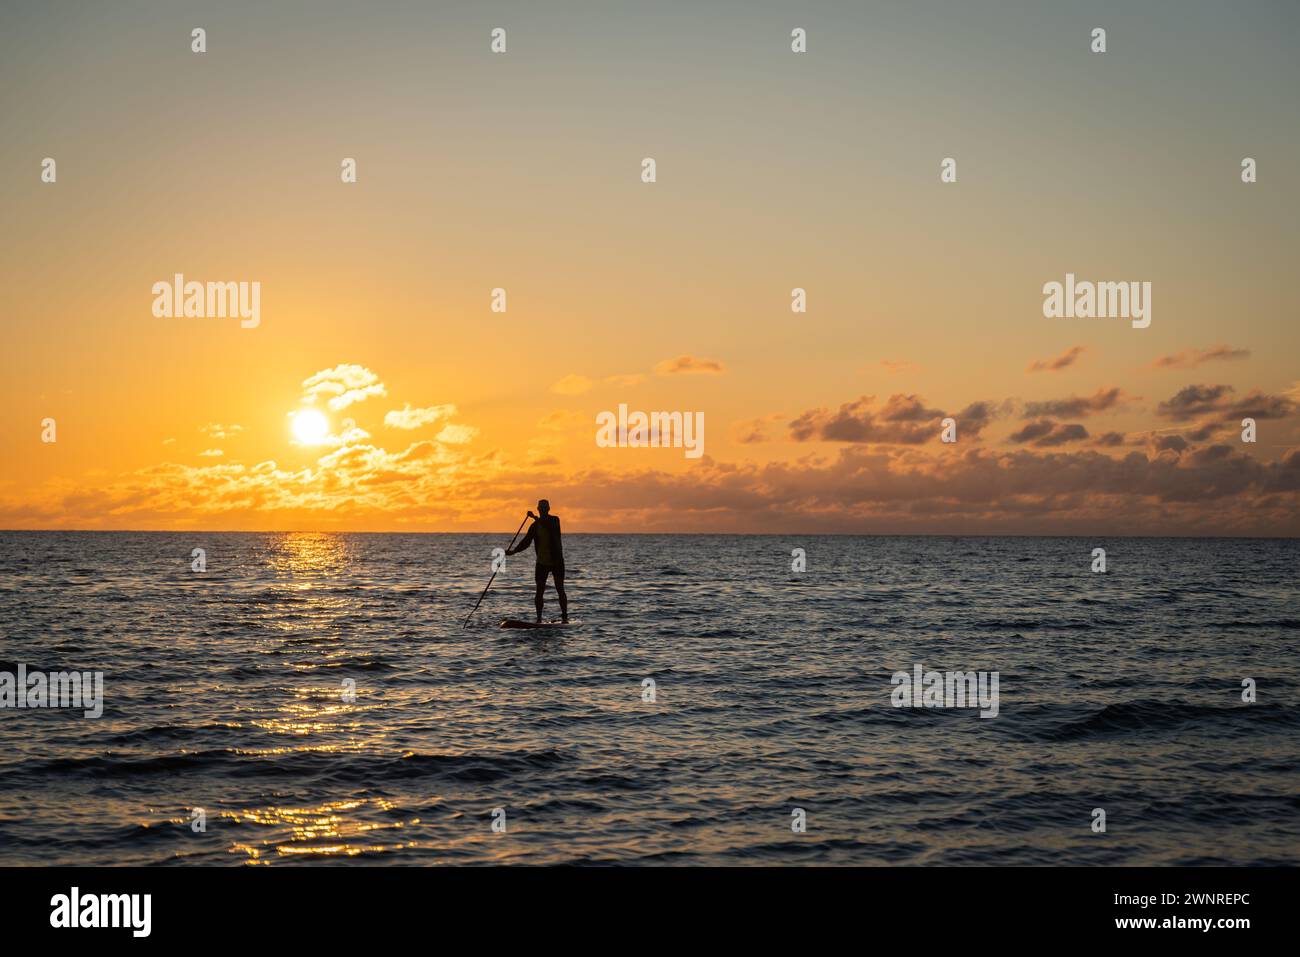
x,y
308,531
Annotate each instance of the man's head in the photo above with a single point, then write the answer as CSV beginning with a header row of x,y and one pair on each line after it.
x,y
543,506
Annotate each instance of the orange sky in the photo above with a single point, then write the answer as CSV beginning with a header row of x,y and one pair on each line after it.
x,y
775,170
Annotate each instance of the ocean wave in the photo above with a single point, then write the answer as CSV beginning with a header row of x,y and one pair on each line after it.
x,y
1147,717
485,766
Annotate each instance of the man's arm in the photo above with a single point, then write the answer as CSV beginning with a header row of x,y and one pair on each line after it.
x,y
528,540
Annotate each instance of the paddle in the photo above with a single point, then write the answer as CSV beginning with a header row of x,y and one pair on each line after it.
x,y
494,572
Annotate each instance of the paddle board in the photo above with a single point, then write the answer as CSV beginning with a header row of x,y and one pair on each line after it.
x,y
516,623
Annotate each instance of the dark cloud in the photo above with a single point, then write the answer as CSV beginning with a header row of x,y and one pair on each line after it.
x,y
857,421
1033,430
1064,434
972,419
1218,401
902,420
908,408
1194,400
1045,433
1170,443
1075,407
1190,358
1217,490
1205,431
1259,405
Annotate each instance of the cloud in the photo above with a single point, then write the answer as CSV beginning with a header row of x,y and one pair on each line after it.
x,y
1178,489
216,431
1195,400
903,419
349,433
1076,406
908,408
345,384
688,365
976,416
1205,431
409,418
1178,440
1260,405
1219,402
1190,358
1063,361
457,434
1045,433
1032,431
971,492
572,385
1170,443
211,453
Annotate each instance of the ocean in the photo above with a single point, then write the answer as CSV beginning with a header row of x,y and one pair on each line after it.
x,y
314,698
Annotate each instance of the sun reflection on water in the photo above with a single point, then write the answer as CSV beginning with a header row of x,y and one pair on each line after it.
x,y
332,829
309,554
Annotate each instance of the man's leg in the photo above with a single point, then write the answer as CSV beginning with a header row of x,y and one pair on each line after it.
x,y
559,587
539,575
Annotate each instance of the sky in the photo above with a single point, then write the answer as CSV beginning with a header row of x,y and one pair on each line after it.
x,y
774,170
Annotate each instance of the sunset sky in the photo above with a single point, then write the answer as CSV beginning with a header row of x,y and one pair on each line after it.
x,y
775,170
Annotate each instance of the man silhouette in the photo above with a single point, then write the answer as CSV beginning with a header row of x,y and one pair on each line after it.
x,y
544,535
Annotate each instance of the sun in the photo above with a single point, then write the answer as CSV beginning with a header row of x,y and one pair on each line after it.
x,y
310,427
